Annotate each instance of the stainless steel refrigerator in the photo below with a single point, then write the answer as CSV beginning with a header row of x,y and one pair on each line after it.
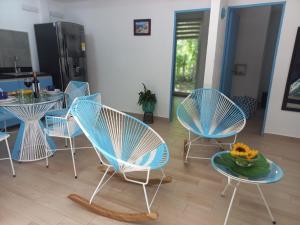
x,y
62,51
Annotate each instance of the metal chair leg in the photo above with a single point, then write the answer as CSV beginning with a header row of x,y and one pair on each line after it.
x,y
47,162
231,201
74,146
189,147
266,204
73,159
101,184
227,185
146,198
9,155
66,142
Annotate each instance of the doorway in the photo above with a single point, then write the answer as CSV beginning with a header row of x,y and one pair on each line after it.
x,y
251,40
190,42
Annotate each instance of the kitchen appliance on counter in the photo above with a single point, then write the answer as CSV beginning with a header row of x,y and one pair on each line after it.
x,y
61,51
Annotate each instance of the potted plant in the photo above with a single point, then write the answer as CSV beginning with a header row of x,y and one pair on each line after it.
x,y
147,100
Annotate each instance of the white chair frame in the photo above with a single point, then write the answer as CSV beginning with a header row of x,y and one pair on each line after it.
x,y
9,154
144,184
193,142
63,124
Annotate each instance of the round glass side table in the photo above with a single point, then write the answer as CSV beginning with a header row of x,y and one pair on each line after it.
x,y
31,143
273,176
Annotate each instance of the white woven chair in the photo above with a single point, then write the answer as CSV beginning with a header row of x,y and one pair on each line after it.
x,y
73,90
209,114
66,127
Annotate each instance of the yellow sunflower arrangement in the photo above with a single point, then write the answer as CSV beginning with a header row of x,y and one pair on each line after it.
x,y
243,154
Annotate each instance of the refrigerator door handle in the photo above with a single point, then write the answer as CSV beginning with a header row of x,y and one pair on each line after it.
x,y
66,57
59,56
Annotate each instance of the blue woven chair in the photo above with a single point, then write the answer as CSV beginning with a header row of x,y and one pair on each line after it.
x,y
123,143
73,90
209,114
66,127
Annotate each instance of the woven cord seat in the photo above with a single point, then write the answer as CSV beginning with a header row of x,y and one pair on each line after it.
x,y
66,127
73,90
123,143
207,113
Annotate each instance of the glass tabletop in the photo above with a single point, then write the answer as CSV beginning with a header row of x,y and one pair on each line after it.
x,y
273,176
30,100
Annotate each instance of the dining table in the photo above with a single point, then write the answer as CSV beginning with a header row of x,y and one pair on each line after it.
x,y
31,143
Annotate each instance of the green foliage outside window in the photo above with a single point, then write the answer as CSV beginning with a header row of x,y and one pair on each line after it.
x,y
186,62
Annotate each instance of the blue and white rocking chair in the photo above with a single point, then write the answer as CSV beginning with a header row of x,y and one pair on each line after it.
x,y
66,127
209,114
124,144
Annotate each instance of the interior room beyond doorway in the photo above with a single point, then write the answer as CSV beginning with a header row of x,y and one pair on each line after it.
x,y
250,50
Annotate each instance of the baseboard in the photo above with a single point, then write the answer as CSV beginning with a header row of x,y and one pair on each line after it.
x,y
140,117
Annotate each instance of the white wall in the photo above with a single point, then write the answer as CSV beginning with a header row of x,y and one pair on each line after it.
x,y
118,61
279,121
13,17
51,11
202,50
219,47
215,45
55,10
251,39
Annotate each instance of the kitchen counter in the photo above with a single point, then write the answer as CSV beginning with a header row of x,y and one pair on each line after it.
x,y
10,75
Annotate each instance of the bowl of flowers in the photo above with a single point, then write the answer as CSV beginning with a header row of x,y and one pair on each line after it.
x,y
243,155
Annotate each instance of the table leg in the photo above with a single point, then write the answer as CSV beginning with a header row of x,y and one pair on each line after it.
x,y
266,204
31,144
18,143
227,185
231,201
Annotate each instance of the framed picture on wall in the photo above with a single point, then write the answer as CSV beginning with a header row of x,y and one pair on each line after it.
x,y
142,27
291,100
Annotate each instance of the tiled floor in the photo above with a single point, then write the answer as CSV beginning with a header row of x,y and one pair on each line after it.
x,y
38,196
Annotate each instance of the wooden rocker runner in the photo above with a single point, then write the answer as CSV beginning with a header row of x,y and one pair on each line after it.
x,y
127,145
124,217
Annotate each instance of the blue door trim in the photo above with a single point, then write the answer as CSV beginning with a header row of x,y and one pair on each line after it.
x,y
227,50
273,67
257,5
174,54
223,75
